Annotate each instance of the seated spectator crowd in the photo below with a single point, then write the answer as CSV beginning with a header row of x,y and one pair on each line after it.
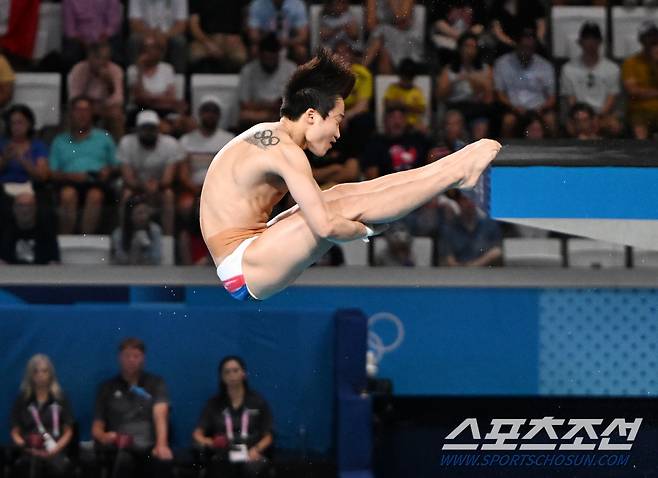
x,y
233,437
129,159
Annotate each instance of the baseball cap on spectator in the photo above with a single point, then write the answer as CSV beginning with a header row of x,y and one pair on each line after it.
x,y
648,29
526,32
209,102
590,30
148,117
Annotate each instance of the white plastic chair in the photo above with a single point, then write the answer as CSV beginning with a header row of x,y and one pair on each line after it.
x,y
179,81
85,249
421,250
566,24
355,253
167,251
49,30
625,26
588,253
41,92
314,23
644,258
225,88
526,252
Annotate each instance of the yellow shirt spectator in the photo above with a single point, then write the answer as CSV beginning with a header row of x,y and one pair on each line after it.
x,y
7,78
411,98
6,73
362,87
645,75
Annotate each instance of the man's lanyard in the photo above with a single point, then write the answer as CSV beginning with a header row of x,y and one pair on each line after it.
x,y
228,421
54,410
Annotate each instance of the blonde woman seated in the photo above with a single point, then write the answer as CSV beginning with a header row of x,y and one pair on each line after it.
x,y
41,423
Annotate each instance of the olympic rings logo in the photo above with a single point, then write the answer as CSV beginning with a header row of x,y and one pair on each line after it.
x,y
266,138
376,343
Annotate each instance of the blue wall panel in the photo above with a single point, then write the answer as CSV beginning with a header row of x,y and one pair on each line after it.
x,y
290,353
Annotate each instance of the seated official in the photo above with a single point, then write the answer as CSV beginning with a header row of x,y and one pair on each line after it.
x,y
41,423
131,418
235,427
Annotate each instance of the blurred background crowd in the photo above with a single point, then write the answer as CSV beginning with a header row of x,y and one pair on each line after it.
x,y
112,110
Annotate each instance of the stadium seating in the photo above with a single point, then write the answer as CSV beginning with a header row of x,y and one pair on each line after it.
x,y
625,25
532,252
595,254
565,27
314,22
49,30
41,92
422,250
225,88
84,249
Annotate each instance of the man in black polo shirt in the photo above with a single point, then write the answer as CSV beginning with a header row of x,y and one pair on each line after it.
x,y
131,417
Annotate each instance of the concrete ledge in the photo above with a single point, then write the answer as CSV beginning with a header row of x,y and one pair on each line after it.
x,y
342,276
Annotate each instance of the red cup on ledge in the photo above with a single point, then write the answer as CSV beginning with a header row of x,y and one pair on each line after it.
x,y
124,441
35,441
220,441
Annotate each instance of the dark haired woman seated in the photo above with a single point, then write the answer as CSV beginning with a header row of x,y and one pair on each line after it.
x,y
235,426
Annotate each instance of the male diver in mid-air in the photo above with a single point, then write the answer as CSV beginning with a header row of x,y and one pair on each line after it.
x,y
256,258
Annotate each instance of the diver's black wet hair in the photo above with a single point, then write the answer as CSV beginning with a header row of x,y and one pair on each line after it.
x,y
317,84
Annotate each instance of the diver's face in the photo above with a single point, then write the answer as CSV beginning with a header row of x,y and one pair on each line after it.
x,y
324,132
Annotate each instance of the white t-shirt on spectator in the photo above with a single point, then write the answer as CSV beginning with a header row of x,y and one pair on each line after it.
x,y
591,86
258,85
149,163
160,14
158,82
202,149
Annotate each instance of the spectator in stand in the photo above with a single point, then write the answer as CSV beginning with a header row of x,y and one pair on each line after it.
x,y
408,96
525,82
7,79
472,239
395,150
102,81
28,236
23,159
453,135
593,80
286,19
237,417
91,21
82,162
148,165
338,24
163,19
190,246
532,126
335,167
262,82
510,18
216,42
359,122
392,34
131,418
398,247
41,423
466,85
427,220
641,83
583,123
451,20
138,241
201,146
152,85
